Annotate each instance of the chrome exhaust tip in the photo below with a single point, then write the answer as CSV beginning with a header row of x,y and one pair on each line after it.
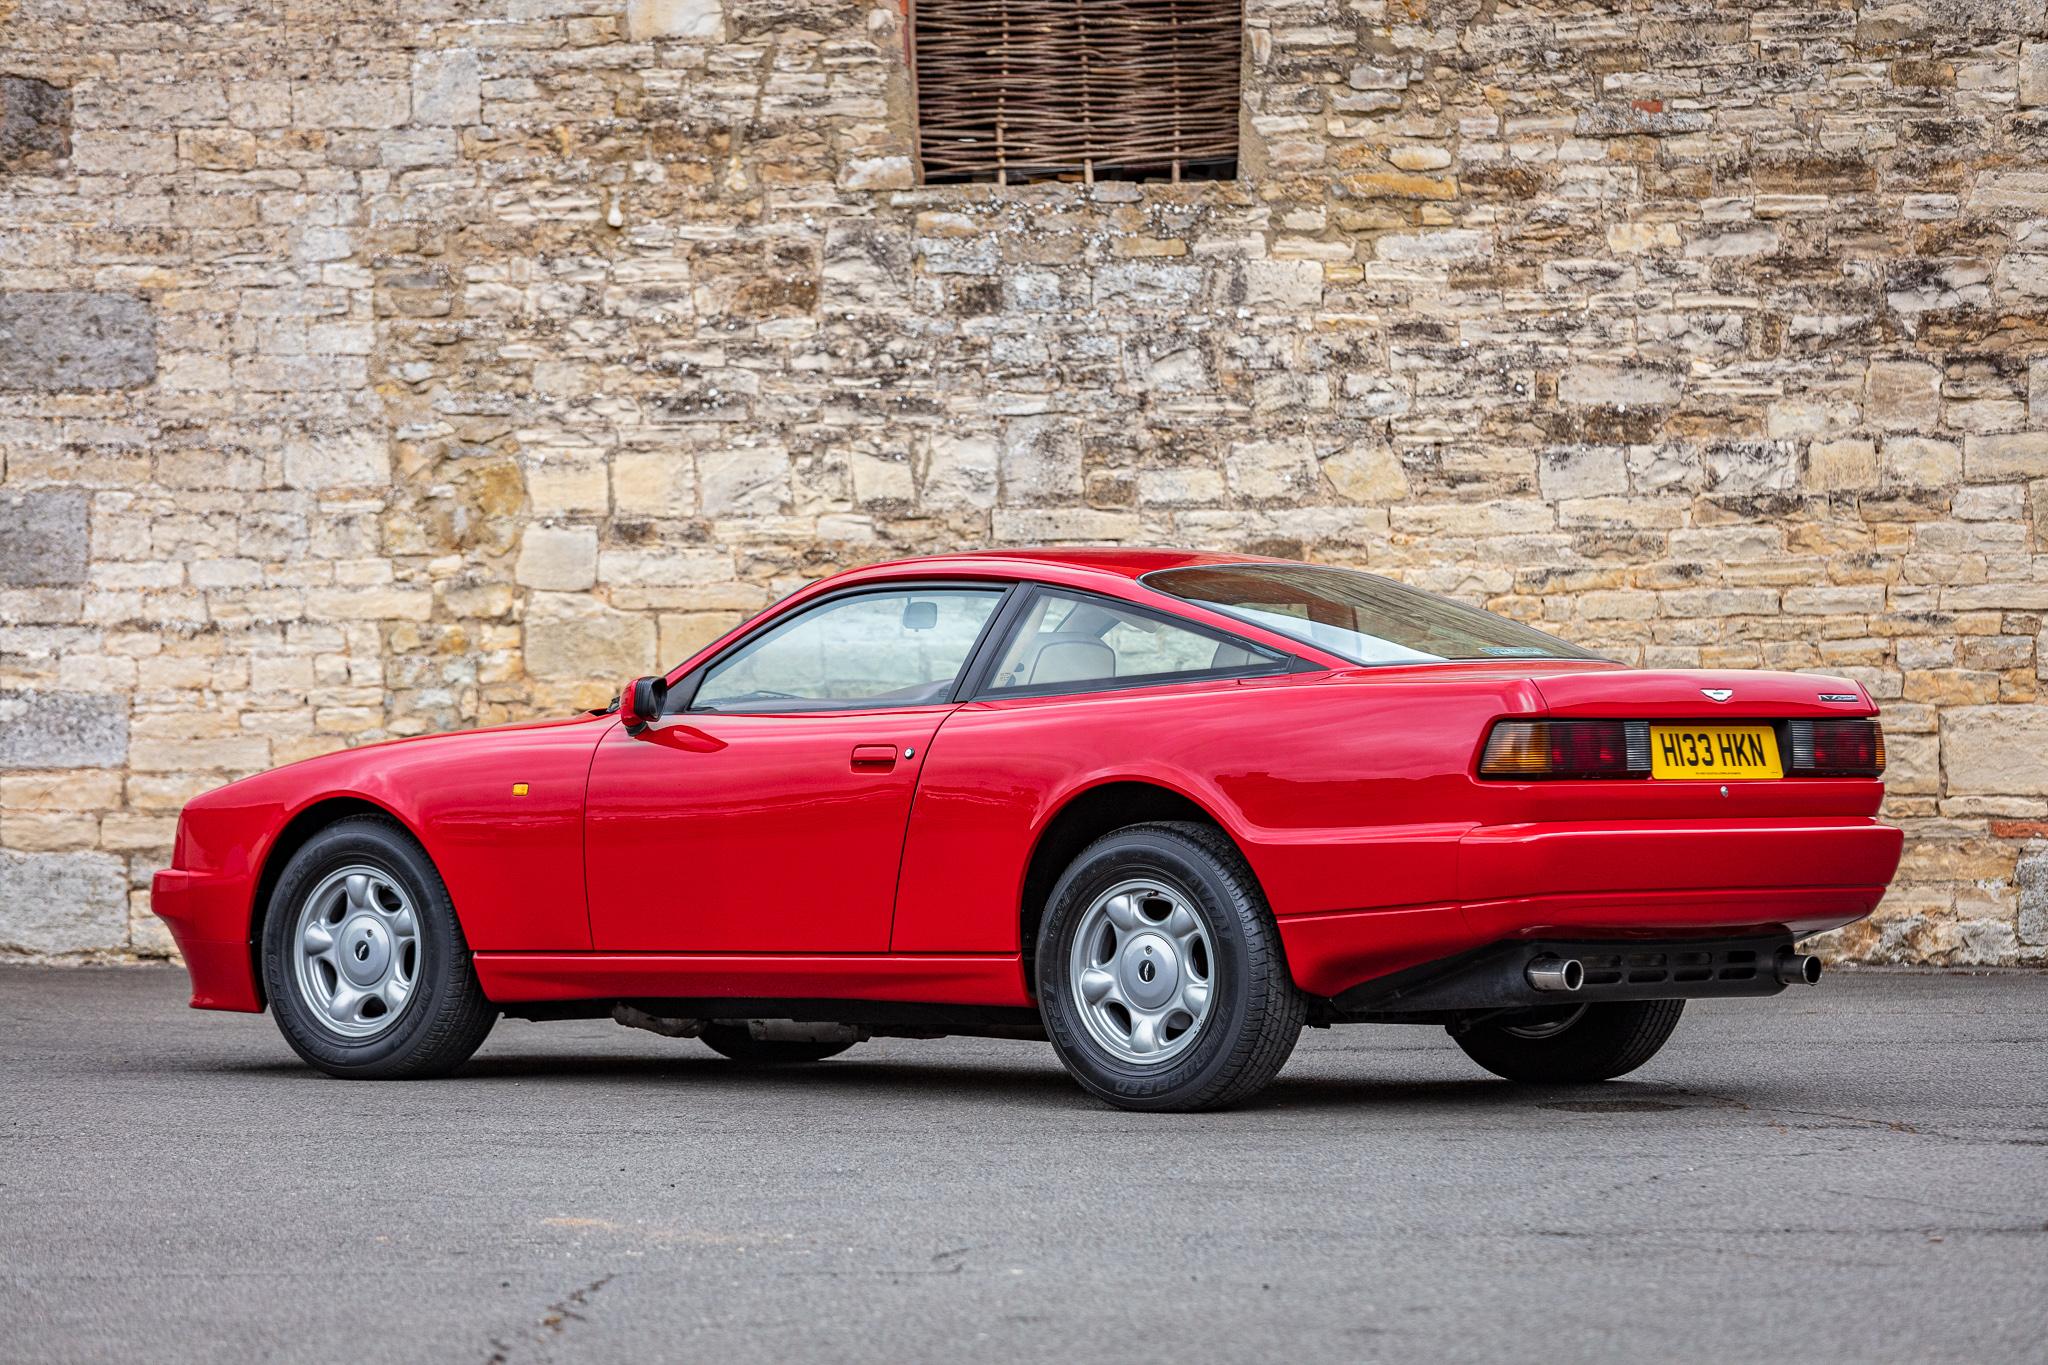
x,y
1556,974
1798,969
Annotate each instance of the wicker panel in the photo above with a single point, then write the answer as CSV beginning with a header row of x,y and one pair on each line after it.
x,y
1020,89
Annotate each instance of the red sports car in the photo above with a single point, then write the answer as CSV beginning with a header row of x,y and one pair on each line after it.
x,y
1161,809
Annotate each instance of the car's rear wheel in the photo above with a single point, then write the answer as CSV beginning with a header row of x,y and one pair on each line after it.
x,y
367,970
1571,1044
737,1040
1161,978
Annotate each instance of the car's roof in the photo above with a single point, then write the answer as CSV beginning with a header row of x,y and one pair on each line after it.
x,y
1112,570
1115,560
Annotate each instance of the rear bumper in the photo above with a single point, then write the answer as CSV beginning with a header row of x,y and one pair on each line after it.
x,y
1651,880
1511,861
208,916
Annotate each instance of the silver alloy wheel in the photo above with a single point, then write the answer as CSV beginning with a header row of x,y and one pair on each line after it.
x,y
356,951
1551,1021
1140,972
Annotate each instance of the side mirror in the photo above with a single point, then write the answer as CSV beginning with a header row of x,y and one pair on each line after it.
x,y
640,702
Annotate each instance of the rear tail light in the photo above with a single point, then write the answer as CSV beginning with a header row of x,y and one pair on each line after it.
x,y
1567,748
1836,748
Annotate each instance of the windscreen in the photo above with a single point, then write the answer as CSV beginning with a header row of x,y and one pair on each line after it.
x,y
1359,616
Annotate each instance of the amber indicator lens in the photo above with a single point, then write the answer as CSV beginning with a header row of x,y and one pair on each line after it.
x,y
1566,748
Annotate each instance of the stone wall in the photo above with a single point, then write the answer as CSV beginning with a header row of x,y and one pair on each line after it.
x,y
377,366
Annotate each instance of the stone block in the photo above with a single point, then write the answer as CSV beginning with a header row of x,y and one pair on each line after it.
x,y
1149,283
1591,384
695,20
1366,472
35,124
678,568
1040,461
352,104
959,473
1368,77
685,633
1918,462
2007,455
563,486
217,149
42,539
743,480
867,265
2031,874
2022,282
653,483
61,339
1581,472
877,173
2033,89
1283,284
1902,395
381,602
447,89
124,152
2008,191
1449,244
1748,467
348,459
61,789
1838,466
58,903
1269,470
571,637
882,480
558,558
1995,750
63,729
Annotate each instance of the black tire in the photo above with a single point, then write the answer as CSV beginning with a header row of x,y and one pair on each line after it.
x,y
1605,1041
444,1019
731,1038
1255,1014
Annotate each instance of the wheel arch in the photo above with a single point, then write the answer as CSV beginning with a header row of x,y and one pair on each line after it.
x,y
1083,817
304,823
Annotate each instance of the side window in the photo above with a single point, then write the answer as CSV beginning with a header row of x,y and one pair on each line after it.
x,y
873,649
1068,640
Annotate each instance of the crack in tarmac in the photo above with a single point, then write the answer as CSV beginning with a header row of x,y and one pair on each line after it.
x,y
554,1320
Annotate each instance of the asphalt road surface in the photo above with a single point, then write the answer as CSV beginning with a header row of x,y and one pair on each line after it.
x,y
1855,1172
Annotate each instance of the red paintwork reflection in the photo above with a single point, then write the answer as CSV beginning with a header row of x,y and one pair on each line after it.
x,y
794,856
754,834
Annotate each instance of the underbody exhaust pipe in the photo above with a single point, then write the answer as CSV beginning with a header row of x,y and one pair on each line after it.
x,y
1556,974
1798,969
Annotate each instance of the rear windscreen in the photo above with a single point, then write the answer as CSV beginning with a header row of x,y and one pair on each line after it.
x,y
1359,616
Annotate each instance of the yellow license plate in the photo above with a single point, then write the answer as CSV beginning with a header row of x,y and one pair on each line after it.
x,y
1714,752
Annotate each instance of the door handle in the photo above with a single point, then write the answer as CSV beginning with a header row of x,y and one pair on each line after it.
x,y
874,757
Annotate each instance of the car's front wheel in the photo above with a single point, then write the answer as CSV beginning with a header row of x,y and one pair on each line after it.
x,y
1160,974
367,970
1571,1044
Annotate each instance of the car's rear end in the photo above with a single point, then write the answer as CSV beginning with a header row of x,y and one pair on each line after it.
x,y
1660,834
1487,818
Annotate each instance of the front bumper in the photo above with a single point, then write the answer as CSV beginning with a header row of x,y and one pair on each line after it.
x,y
208,916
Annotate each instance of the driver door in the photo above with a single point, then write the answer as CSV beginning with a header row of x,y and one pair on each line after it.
x,y
765,811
